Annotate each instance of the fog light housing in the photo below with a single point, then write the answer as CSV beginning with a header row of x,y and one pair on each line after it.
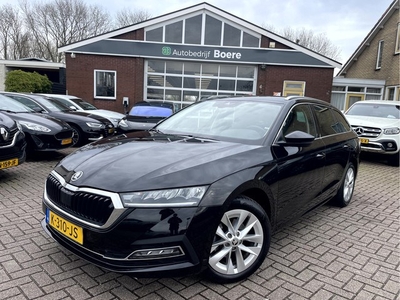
x,y
157,253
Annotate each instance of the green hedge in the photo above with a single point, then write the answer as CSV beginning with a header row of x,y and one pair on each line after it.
x,y
28,82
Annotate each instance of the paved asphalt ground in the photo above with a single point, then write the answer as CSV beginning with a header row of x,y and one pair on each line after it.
x,y
331,253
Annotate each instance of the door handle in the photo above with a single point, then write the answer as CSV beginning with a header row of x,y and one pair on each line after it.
x,y
321,155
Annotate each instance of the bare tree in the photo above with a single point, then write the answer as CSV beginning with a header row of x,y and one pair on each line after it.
x,y
61,22
307,38
14,39
126,17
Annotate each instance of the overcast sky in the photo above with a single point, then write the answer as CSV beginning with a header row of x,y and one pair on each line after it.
x,y
345,22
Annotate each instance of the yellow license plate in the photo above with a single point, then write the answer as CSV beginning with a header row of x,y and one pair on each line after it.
x,y
66,141
364,141
65,227
8,163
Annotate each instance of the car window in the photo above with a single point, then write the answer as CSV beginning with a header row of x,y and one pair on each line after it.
x,y
10,104
27,102
300,118
341,123
330,121
83,104
375,110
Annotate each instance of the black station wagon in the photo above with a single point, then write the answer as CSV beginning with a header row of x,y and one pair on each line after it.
x,y
204,189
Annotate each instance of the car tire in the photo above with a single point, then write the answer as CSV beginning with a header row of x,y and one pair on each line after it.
x,y
240,243
77,136
345,192
394,160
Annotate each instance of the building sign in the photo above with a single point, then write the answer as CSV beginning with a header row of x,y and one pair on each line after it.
x,y
202,53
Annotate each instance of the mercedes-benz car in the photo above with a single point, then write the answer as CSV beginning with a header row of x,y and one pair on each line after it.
x,y
377,123
42,132
86,127
79,104
204,189
12,143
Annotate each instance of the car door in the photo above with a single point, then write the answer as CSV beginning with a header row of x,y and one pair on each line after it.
x,y
335,133
300,169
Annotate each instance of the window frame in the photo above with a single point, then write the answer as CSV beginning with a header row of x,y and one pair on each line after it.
x,y
95,72
397,45
379,55
293,91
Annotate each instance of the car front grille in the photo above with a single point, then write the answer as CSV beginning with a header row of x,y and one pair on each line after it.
x,y
11,133
64,135
93,208
367,132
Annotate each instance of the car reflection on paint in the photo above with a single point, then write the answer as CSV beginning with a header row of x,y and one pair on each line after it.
x,y
204,189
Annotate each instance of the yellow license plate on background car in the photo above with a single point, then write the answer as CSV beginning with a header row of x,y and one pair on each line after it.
x,y
66,141
364,141
8,163
65,227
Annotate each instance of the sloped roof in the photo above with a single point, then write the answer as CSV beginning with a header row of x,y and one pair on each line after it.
x,y
196,8
370,36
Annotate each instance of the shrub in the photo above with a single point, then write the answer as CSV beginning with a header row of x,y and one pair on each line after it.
x,y
28,82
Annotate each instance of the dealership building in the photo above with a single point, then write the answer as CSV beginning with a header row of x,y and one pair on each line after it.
x,y
189,54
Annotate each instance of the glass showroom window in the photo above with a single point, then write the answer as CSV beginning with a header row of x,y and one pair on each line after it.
x,y
186,82
105,84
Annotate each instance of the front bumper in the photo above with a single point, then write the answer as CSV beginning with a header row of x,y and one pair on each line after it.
x,y
382,146
145,230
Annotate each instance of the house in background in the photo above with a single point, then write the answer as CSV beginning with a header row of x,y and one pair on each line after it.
x,y
373,71
54,71
191,53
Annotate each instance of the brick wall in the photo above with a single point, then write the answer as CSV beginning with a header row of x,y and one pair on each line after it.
x,y
318,80
80,78
364,67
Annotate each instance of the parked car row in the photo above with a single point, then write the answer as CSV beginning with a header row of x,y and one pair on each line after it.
x,y
46,124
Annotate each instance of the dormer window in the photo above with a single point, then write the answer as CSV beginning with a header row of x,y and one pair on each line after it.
x,y
203,29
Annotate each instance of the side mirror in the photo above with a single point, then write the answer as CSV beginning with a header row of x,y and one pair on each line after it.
x,y
38,109
73,108
297,139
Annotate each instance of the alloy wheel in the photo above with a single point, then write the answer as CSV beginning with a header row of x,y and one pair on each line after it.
x,y
237,243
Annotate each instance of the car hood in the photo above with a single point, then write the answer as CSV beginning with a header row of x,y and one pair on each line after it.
x,y
6,121
149,162
372,121
41,119
106,113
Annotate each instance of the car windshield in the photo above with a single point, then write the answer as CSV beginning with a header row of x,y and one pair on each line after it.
x,y
83,104
52,104
150,111
375,110
9,104
223,119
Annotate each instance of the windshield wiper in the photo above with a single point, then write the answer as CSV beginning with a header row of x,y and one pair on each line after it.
x,y
8,111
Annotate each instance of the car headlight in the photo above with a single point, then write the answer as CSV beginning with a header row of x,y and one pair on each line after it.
x,y
179,197
123,123
19,125
94,125
391,130
34,126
